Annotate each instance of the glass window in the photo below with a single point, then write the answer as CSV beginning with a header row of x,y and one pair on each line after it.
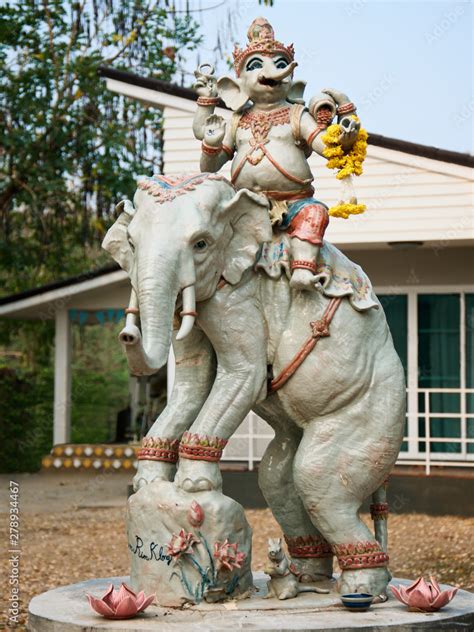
x,y
470,368
395,308
439,366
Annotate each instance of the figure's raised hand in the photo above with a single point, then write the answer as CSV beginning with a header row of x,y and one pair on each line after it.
x,y
214,130
205,84
349,131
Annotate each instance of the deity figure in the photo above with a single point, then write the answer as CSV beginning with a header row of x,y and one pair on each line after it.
x,y
271,136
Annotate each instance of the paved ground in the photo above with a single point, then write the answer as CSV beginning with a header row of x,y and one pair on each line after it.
x,y
72,529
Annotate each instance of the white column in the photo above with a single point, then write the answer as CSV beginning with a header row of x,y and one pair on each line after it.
x,y
412,377
62,378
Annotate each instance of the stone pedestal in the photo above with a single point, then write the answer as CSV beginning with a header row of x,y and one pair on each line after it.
x,y
66,610
210,537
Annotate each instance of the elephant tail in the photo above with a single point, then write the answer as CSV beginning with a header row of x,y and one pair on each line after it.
x,y
379,513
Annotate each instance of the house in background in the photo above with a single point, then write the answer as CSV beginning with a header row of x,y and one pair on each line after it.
x,y
415,241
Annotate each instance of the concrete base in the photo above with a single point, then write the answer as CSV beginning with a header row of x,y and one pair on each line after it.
x,y
66,610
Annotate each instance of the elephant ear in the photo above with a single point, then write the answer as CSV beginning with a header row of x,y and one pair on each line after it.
x,y
231,92
295,95
248,214
116,239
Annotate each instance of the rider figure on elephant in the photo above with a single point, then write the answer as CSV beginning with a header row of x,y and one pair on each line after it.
x,y
270,137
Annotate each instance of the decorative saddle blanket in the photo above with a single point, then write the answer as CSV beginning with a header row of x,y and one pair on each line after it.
x,y
167,188
338,276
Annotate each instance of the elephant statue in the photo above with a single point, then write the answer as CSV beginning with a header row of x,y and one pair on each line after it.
x,y
244,340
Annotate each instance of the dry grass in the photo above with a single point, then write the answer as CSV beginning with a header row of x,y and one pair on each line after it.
x,y
66,547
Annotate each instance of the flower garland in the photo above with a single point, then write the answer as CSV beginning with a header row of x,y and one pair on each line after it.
x,y
348,165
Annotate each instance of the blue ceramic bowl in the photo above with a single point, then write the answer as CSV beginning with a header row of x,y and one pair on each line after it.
x,y
357,602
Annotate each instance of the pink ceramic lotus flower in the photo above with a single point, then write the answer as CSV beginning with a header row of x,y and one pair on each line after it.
x,y
181,543
227,555
425,596
195,514
120,604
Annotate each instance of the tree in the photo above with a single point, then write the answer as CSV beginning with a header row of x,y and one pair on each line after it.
x,y
71,149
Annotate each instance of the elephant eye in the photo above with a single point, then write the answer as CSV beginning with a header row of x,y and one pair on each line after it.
x,y
131,244
254,64
281,63
200,245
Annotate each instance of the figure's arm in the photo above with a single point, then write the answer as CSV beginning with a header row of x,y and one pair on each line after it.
x,y
206,88
217,144
322,108
311,133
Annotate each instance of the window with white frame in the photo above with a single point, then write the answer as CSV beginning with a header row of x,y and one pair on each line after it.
x,y
433,335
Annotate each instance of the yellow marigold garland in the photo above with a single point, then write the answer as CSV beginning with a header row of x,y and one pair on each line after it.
x,y
347,164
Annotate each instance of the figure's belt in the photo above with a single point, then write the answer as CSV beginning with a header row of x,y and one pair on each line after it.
x,y
289,196
158,449
201,447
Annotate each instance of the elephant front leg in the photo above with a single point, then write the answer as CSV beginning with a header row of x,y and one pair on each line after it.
x,y
240,344
194,373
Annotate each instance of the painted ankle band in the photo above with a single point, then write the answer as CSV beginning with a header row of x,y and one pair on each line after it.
x,y
158,449
305,265
379,511
360,555
308,546
201,447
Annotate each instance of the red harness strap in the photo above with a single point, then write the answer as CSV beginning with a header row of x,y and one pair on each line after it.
x,y
320,329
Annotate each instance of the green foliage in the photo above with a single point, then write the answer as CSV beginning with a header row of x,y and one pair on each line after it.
x,y
70,150
99,383
71,147
99,391
26,431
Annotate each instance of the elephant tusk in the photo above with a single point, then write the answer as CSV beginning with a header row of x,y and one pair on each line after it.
x,y
188,312
132,310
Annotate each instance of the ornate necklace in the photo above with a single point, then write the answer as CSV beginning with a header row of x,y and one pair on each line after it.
x,y
260,124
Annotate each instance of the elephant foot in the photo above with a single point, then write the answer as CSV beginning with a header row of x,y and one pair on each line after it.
x,y
373,581
198,476
302,279
150,471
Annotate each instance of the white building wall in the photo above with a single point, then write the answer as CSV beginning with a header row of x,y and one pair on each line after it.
x,y
408,198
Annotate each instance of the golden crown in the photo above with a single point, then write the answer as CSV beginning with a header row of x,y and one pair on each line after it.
x,y
262,40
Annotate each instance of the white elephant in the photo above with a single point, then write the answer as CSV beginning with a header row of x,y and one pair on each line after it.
x,y
191,244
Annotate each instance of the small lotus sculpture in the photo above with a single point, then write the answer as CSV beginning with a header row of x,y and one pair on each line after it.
x,y
424,596
120,604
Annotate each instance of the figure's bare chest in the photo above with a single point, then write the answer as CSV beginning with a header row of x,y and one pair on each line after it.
x,y
263,128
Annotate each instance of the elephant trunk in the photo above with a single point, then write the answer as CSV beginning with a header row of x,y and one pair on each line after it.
x,y
157,294
279,76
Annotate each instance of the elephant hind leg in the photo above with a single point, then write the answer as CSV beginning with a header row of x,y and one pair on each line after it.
x,y
335,470
310,554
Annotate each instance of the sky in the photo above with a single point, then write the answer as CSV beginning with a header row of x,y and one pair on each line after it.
x,y
408,66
